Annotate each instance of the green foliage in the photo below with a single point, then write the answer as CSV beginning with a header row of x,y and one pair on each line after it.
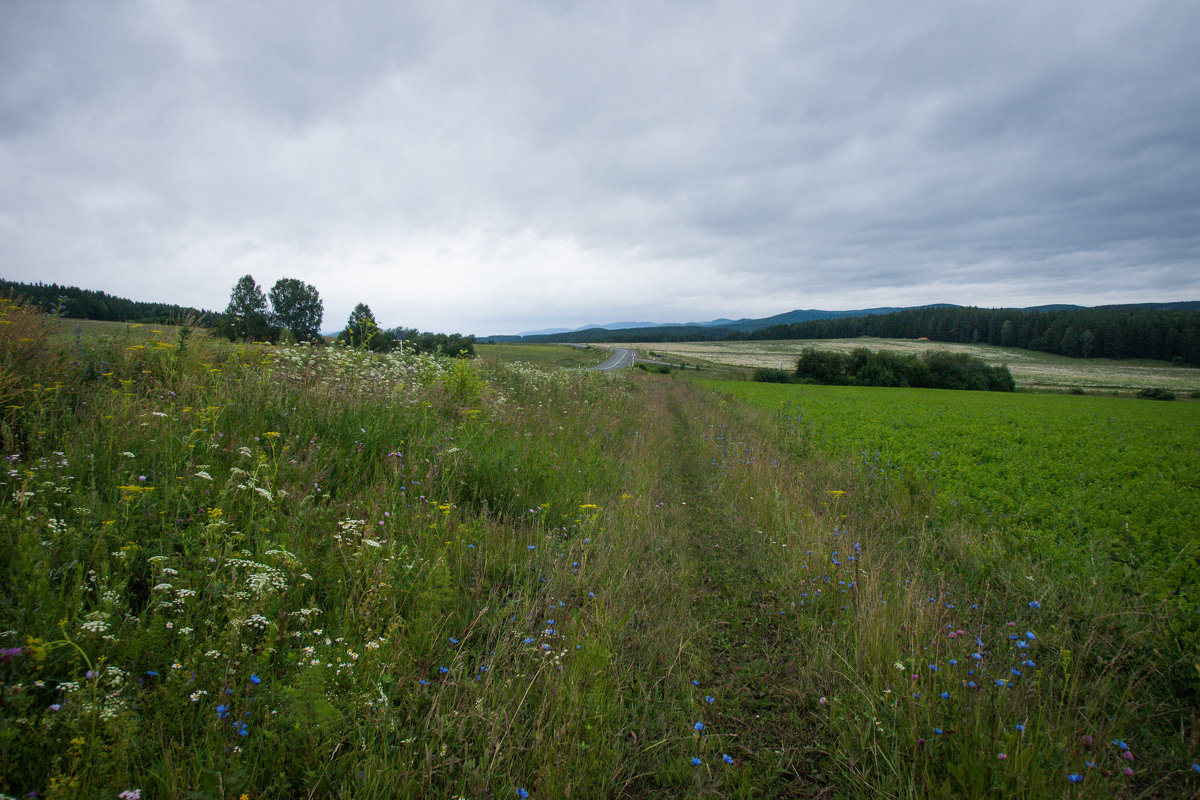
x,y
296,571
1094,484
447,344
296,307
76,303
246,316
1168,334
771,375
931,370
1156,393
362,331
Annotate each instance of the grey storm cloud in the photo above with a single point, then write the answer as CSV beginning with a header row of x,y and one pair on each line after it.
x,y
502,167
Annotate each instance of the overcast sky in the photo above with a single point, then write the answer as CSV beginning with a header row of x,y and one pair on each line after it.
x,y
502,167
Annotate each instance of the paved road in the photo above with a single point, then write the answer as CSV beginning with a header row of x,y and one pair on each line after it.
x,y
620,358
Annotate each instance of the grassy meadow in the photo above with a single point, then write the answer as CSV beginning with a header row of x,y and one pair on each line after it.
x,y
1034,371
272,572
543,355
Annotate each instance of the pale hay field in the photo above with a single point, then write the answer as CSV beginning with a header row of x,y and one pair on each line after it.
x,y
1033,371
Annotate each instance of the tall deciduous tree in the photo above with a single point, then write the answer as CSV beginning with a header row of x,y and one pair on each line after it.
x,y
247,311
297,306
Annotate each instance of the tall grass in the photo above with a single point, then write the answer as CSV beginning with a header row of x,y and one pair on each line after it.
x,y
281,572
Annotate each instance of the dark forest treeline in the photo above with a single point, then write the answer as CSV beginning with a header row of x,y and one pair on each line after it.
x,y
1101,332
76,303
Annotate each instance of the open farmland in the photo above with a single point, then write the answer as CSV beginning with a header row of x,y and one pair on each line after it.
x,y
305,571
1032,370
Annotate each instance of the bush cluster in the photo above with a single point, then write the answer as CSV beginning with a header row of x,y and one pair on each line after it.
x,y
862,367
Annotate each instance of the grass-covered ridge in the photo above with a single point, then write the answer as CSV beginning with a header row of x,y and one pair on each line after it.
x,y
313,572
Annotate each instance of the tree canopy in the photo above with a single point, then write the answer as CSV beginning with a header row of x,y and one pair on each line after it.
x,y
246,315
297,308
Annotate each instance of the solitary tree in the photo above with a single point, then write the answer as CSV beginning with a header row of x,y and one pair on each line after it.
x,y
361,329
296,306
247,311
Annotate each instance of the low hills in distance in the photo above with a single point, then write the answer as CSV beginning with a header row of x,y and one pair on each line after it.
x,y
749,325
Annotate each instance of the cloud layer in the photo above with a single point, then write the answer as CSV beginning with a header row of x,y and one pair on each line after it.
x,y
538,164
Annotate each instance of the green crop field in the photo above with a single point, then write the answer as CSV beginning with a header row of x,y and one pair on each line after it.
x,y
302,571
1050,469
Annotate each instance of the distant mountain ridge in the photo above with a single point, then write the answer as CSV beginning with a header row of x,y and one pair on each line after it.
x,y
748,324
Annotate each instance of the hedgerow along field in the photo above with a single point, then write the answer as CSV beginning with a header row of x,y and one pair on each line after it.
x,y
280,572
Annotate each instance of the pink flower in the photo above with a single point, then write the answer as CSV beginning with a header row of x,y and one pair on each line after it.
x,y
131,794
1001,756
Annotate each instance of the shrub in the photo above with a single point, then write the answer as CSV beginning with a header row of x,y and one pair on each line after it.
x,y
770,375
932,370
1156,393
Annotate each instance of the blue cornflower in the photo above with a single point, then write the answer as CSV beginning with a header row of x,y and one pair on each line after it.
x,y
240,727
152,673
1001,682
522,793
255,679
529,547
1015,671
1121,744
696,762
1074,777
1029,635
699,726
443,670
937,731
453,640
945,695
708,698
729,760
953,662
1034,604
1022,644
1020,727
222,711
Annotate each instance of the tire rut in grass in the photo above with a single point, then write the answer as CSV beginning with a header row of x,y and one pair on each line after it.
x,y
744,642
